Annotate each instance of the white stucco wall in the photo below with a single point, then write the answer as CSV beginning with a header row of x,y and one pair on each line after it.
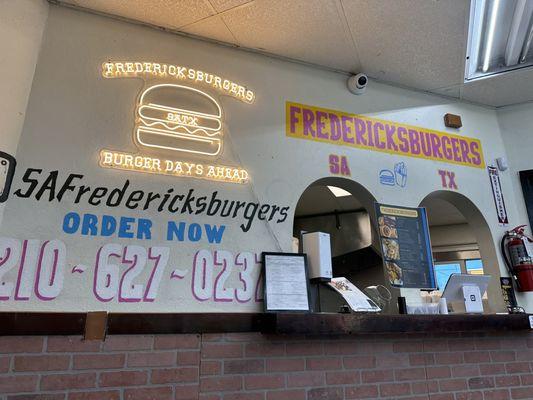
x,y
73,112
516,124
22,23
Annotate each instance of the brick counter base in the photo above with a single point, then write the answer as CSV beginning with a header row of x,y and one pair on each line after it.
x,y
251,366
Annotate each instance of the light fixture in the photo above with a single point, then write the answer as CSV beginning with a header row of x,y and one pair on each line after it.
x,y
500,37
338,192
491,31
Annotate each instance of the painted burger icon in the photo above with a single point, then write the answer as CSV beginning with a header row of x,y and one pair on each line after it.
x,y
179,118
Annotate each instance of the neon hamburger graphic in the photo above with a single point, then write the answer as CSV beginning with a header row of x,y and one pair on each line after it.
x,y
179,118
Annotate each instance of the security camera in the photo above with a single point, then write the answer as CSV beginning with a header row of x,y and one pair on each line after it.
x,y
357,83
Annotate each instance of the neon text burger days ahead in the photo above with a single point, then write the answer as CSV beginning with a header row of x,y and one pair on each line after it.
x,y
352,130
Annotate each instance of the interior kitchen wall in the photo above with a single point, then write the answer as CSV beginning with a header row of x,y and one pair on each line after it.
x,y
452,238
353,232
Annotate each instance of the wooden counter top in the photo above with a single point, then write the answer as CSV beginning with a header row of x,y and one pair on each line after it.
x,y
283,323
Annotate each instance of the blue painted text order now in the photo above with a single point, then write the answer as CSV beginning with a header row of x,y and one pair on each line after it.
x,y
138,228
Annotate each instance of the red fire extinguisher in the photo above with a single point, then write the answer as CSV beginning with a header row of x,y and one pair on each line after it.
x,y
517,260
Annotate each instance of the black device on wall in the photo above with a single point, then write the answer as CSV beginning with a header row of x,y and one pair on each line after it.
x,y
7,170
526,179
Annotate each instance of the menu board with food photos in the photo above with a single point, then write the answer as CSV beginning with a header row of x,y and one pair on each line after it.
x,y
405,245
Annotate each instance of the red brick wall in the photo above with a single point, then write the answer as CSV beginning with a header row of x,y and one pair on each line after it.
x,y
255,367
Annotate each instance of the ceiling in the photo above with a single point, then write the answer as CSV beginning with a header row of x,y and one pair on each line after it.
x,y
418,44
318,199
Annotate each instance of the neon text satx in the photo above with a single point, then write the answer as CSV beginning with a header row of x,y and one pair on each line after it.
x,y
182,119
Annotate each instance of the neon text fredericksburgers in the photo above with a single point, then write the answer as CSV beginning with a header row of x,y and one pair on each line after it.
x,y
166,71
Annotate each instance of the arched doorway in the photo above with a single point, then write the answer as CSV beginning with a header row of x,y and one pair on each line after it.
x,y
461,242
344,209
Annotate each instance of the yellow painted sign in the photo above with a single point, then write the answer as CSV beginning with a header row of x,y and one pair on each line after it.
x,y
345,129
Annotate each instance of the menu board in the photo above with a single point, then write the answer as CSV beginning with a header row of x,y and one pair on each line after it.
x,y
286,284
406,247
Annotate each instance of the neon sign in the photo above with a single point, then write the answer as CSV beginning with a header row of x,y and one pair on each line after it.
x,y
154,165
143,69
176,118
179,118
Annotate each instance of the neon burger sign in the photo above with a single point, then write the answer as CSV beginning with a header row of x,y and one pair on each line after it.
x,y
174,118
179,118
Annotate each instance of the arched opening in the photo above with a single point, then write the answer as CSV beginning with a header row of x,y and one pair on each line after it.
x,y
348,216
461,242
